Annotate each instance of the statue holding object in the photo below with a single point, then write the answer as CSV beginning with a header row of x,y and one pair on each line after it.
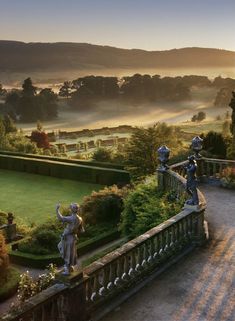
x,y
67,245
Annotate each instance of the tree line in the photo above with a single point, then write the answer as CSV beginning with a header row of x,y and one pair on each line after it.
x,y
28,104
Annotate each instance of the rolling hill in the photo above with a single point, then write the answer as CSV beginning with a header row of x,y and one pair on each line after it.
x,y
45,57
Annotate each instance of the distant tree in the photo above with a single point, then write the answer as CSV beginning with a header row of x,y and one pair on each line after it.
x,y
223,97
66,89
12,103
48,101
28,89
194,118
200,116
3,91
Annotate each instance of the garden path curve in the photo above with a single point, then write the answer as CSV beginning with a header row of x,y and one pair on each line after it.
x,y
201,286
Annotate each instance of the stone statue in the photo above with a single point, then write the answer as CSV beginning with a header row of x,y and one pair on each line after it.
x,y
67,245
191,185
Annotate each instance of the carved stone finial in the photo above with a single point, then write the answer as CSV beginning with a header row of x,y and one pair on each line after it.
x,y
197,146
163,156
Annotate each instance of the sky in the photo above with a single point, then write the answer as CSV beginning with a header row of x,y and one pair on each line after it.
x,y
145,24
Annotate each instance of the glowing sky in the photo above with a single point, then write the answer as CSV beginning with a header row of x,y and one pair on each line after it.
x,y
147,24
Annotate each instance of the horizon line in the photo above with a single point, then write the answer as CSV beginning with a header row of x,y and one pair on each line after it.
x,y
116,47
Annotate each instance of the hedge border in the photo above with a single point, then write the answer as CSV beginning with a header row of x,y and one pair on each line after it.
x,y
64,170
41,261
66,160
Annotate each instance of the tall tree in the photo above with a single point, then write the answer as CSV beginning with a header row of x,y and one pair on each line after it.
x,y
141,153
3,91
28,89
66,89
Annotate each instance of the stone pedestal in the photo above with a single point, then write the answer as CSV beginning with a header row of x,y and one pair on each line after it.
x,y
9,232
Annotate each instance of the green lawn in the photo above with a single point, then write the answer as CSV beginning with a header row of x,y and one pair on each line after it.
x,y
33,197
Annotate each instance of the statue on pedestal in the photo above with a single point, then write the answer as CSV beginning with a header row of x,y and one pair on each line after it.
x,y
67,245
191,185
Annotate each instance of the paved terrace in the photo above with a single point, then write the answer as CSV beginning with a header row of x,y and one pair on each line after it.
x,y
201,287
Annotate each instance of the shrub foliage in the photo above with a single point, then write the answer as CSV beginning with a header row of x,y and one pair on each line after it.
x,y
145,207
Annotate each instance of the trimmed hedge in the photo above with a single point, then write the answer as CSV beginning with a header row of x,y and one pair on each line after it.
x,y
60,169
66,160
41,261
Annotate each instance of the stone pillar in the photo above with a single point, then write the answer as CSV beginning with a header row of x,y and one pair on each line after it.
x,y
160,180
199,228
77,302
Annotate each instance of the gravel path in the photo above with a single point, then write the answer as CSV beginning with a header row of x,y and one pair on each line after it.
x,y
201,287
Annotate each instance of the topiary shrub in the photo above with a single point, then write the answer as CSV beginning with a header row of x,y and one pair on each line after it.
x,y
103,206
145,207
4,260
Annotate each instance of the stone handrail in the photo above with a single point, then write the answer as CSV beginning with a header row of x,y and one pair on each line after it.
x,y
214,167
123,268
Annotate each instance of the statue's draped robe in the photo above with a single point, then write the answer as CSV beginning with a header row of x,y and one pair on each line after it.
x,y
67,245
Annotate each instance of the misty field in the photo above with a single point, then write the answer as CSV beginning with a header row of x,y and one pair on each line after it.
x,y
32,198
110,114
203,127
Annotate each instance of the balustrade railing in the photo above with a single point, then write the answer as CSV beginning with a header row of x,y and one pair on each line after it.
x,y
123,268
214,167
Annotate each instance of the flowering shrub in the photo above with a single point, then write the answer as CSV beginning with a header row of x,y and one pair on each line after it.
x,y
28,287
228,177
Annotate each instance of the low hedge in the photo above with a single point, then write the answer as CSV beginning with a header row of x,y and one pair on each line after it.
x,y
67,160
41,261
9,288
83,173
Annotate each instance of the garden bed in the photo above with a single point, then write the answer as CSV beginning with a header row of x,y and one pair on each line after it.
x,y
41,261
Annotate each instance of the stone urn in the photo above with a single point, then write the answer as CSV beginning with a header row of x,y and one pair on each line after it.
x,y
197,146
163,157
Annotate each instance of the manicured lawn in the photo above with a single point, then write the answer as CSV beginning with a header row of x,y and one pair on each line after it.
x,y
33,197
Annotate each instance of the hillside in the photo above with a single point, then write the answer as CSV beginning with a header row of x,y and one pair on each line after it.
x,y
23,57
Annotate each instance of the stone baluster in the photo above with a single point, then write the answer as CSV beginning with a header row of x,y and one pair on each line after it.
x,y
120,271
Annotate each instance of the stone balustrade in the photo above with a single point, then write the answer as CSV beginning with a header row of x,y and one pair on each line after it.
x,y
123,268
207,167
214,167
